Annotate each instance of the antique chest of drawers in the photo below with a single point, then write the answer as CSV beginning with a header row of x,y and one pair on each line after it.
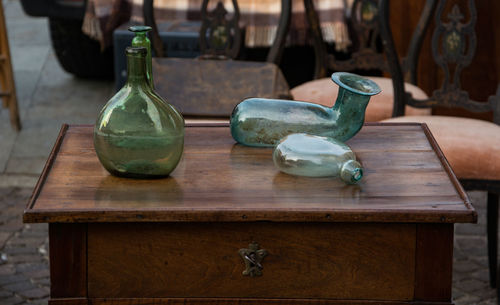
x,y
228,228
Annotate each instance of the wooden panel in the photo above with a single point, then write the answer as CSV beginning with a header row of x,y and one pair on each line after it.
x,y
70,302
220,301
191,88
68,260
340,261
405,181
434,259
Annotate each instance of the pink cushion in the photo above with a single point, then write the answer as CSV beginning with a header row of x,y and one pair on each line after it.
x,y
324,91
471,146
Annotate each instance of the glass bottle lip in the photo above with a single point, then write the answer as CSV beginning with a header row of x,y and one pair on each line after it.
x,y
140,51
355,83
140,29
351,172
357,175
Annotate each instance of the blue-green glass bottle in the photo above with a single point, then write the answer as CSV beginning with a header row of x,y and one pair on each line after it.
x,y
314,156
141,40
263,122
137,134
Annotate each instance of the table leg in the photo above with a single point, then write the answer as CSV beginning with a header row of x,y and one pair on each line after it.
x,y
68,263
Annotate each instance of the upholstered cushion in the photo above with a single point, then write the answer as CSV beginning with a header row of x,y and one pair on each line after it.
x,y
471,146
324,91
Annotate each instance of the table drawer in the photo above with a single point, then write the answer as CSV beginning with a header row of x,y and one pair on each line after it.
x,y
304,260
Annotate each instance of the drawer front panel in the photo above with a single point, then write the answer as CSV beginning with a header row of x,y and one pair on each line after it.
x,y
334,260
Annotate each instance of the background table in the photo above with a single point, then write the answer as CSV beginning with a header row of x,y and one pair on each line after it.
x,y
176,240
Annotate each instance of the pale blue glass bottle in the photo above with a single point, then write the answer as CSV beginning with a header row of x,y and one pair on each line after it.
x,y
263,122
315,156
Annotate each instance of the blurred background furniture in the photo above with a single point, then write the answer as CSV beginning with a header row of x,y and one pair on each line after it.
x,y
212,84
8,87
180,40
179,23
480,79
471,146
369,54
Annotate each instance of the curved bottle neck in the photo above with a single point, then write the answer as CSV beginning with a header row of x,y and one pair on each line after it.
x,y
350,101
350,108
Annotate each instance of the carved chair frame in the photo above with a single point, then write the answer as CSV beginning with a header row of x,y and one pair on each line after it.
x,y
224,35
453,43
453,47
370,26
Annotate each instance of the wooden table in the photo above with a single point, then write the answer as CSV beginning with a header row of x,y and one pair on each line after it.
x,y
177,240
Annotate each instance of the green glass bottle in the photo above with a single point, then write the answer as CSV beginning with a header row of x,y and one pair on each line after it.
x,y
137,134
263,122
314,156
141,40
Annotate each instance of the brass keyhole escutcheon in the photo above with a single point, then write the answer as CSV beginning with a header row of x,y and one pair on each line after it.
x,y
253,259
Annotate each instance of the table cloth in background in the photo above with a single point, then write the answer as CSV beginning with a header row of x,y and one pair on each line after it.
x,y
102,17
260,18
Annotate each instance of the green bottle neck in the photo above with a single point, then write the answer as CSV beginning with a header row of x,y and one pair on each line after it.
x,y
350,107
136,70
141,40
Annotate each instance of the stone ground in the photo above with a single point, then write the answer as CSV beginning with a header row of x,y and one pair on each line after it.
x,y
49,97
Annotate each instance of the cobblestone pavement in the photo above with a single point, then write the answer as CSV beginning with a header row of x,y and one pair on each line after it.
x,y
24,275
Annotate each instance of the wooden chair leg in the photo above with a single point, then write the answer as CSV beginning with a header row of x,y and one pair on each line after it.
x,y
492,233
7,76
15,121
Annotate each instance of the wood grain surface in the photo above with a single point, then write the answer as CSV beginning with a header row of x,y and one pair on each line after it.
x,y
191,88
226,301
405,180
304,260
68,257
434,262
78,301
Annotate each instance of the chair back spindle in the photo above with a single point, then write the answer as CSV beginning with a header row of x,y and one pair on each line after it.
x,y
366,53
220,37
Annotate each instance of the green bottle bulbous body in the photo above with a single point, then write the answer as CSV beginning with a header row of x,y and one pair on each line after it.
x,y
263,122
137,134
314,156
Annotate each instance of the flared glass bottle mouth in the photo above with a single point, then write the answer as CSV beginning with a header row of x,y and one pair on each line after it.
x,y
355,83
140,29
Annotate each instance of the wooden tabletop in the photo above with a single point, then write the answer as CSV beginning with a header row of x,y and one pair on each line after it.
x,y
406,179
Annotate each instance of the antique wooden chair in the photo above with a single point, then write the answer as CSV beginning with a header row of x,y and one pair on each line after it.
x,y
8,88
369,52
471,146
212,84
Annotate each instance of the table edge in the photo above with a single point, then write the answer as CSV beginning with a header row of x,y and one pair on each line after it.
x,y
447,167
